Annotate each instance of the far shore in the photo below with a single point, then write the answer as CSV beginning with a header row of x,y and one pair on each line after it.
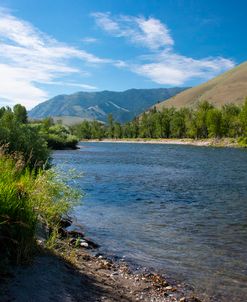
x,y
223,142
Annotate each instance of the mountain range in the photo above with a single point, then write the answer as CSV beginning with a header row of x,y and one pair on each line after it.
x,y
124,105
229,87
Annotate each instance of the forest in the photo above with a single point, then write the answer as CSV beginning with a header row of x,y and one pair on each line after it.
x,y
205,121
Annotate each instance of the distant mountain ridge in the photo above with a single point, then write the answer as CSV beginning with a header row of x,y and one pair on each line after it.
x,y
123,105
229,87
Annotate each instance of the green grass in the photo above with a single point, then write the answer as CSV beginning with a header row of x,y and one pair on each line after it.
x,y
26,199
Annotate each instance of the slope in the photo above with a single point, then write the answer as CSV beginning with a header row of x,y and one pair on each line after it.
x,y
229,87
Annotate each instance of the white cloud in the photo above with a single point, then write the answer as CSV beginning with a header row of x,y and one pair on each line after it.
x,y
162,64
29,57
150,32
169,68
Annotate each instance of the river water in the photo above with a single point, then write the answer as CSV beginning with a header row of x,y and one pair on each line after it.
x,y
177,209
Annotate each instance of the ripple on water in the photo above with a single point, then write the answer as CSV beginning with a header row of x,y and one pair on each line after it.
x,y
180,209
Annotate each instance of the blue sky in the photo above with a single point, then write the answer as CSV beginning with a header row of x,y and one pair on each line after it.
x,y
61,46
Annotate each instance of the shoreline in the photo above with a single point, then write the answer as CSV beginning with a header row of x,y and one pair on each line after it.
x,y
224,142
79,273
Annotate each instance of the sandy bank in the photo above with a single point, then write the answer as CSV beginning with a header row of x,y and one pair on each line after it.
x,y
224,142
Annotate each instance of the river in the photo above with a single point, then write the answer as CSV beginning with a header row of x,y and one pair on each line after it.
x,y
177,209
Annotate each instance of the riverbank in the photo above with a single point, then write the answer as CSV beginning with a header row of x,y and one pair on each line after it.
x,y
71,273
223,142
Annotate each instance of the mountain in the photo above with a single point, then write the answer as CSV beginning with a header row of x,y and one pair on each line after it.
x,y
229,87
123,105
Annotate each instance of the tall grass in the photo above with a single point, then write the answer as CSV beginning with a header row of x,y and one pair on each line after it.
x,y
26,199
17,219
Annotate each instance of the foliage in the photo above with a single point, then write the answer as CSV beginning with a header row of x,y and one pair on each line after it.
x,y
19,136
58,137
205,121
30,194
17,219
27,198
89,130
34,139
20,113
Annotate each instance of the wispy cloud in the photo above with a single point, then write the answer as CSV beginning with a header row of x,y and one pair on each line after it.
x,y
29,57
89,40
150,32
71,84
169,68
162,64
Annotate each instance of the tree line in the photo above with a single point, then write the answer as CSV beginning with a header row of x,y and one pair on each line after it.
x,y
205,121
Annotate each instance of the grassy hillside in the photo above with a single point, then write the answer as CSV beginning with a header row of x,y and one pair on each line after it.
x,y
229,87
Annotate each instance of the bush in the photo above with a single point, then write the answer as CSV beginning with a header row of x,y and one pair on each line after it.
x,y
242,141
24,139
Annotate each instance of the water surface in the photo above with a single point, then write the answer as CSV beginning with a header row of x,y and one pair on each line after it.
x,y
179,209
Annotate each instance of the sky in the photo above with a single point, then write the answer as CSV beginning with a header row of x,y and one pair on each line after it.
x,y
57,47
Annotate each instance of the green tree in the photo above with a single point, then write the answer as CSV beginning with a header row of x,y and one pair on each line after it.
x,y
201,119
117,130
230,120
110,126
178,125
214,123
243,119
20,113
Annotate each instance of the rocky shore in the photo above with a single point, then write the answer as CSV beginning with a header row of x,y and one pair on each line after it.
x,y
75,271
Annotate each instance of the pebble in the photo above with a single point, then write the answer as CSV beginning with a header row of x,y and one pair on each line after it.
x,y
83,243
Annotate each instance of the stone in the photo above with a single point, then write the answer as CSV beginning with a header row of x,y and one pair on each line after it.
x,y
65,222
91,244
84,244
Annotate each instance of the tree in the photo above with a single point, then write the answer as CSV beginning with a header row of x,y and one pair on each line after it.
x,y
110,126
20,113
230,120
214,123
117,130
243,119
178,125
201,119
